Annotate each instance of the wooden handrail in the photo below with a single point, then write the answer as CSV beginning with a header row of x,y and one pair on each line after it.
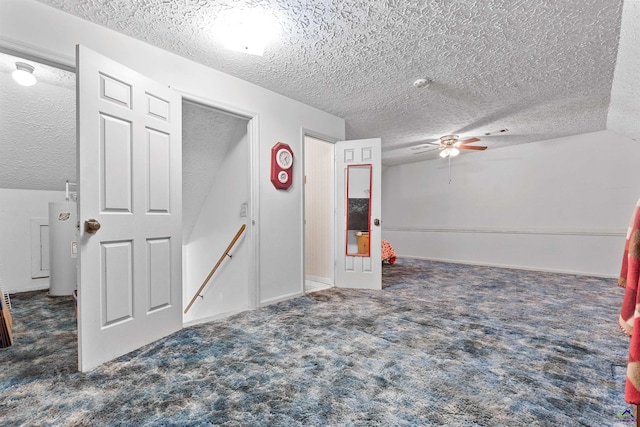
x,y
213,270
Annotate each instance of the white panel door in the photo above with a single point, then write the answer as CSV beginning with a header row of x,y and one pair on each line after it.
x,y
129,181
357,161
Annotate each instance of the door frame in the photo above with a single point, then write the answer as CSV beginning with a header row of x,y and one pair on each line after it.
x,y
253,210
329,140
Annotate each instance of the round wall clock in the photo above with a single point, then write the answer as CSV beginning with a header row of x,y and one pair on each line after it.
x,y
284,158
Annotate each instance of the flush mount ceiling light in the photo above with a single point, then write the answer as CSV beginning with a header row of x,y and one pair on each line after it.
x,y
247,31
24,74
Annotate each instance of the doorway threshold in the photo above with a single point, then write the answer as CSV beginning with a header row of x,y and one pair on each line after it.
x,y
313,286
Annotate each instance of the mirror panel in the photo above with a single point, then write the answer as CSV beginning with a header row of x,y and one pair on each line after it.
x,y
358,209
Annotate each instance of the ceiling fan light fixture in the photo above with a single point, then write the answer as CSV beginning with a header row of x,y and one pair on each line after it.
x,y
449,139
23,74
449,152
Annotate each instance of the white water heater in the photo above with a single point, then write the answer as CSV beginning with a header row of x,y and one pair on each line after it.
x,y
63,248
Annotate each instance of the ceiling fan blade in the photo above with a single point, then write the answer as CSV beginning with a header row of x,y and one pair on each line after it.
x,y
469,141
472,147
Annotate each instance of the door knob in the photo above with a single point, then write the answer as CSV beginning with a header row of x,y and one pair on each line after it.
x,y
91,226
376,222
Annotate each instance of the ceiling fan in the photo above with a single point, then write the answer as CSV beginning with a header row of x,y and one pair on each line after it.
x,y
450,146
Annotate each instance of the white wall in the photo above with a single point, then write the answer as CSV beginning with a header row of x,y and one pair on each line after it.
x,y
17,207
32,27
218,222
557,205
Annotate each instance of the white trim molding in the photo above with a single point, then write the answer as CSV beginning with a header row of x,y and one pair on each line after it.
x,y
213,318
37,54
281,298
513,267
324,280
538,231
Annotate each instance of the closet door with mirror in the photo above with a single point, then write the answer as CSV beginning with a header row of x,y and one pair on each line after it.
x,y
359,237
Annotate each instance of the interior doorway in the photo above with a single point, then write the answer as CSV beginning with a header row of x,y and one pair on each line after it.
x,y
319,208
38,157
216,204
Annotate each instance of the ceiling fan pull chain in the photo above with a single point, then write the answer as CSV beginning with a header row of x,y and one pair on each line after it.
x,y
449,169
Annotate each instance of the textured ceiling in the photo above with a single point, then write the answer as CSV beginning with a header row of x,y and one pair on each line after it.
x,y
542,69
38,138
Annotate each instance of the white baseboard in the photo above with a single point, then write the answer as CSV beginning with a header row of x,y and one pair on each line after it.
x,y
26,289
515,267
218,316
281,298
319,279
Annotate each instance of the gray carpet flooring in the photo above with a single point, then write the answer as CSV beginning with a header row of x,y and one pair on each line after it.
x,y
441,344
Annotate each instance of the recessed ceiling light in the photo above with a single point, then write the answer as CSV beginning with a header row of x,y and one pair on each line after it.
x,y
422,83
24,74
